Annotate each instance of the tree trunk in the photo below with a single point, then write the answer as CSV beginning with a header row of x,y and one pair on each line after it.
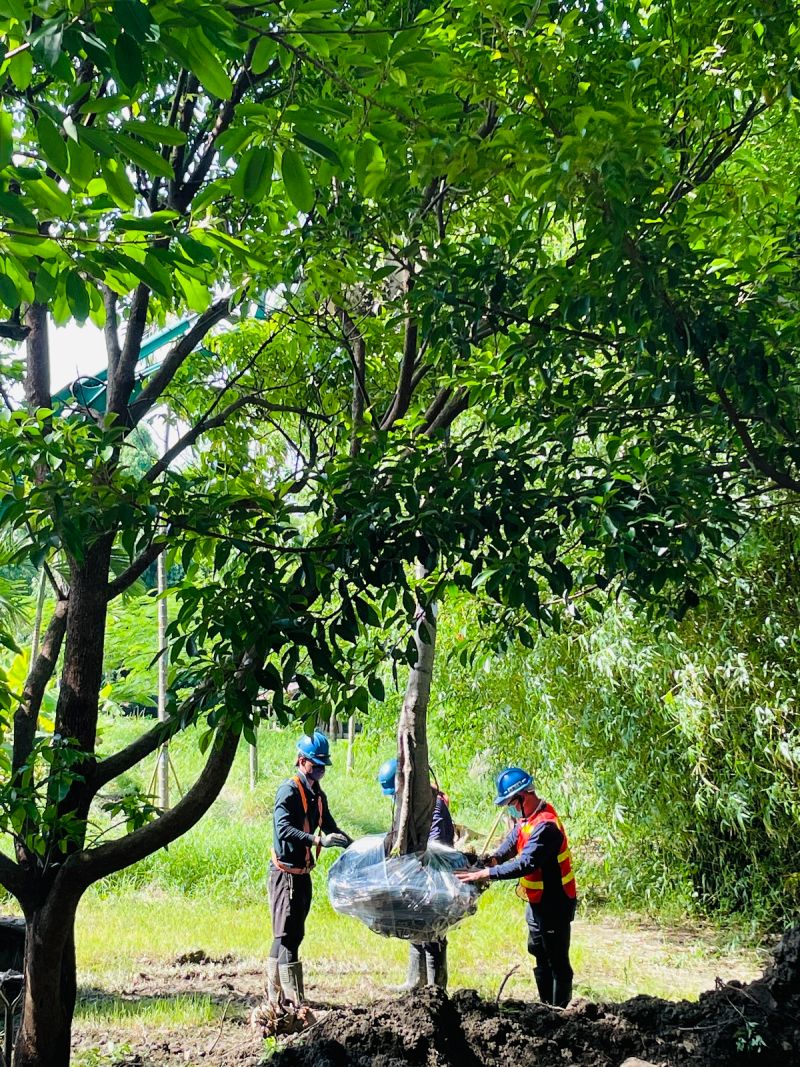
x,y
253,752
414,796
43,1039
37,621
76,713
163,665
351,738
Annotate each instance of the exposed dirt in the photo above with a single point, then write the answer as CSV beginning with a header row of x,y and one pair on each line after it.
x,y
734,1024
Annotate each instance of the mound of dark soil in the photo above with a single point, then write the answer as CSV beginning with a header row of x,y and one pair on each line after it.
x,y
733,1024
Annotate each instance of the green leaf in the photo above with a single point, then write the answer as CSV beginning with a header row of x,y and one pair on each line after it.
x,y
128,60
12,208
6,138
141,155
195,251
161,278
152,131
47,41
208,68
254,174
233,141
198,296
134,17
158,222
263,55
45,285
8,292
103,105
48,196
377,688
81,165
53,146
118,183
100,141
370,166
297,181
77,296
318,144
21,69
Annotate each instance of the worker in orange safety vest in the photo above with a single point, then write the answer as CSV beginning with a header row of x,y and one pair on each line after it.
x,y
536,852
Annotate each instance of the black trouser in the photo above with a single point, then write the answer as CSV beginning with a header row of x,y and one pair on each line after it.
x,y
431,956
548,942
289,904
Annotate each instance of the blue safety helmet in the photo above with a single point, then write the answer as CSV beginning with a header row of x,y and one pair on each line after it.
x,y
511,781
386,776
315,748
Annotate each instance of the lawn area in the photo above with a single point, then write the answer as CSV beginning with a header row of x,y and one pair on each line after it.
x,y
613,958
176,946
204,899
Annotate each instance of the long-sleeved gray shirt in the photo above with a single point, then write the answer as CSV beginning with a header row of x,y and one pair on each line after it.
x,y
541,850
289,840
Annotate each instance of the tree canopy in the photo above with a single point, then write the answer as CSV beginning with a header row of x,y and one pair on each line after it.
x,y
526,281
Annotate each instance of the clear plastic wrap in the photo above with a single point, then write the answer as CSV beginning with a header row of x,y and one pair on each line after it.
x,y
415,897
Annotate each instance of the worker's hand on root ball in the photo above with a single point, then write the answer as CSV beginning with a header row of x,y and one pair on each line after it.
x,y
472,876
334,840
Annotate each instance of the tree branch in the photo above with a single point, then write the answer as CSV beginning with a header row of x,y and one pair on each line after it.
x,y
13,331
136,569
111,330
726,143
187,190
219,310
106,770
451,410
404,391
121,382
435,407
763,466
357,349
15,879
37,378
94,863
27,714
206,424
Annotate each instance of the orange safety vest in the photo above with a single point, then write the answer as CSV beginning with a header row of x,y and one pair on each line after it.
x,y
531,887
310,860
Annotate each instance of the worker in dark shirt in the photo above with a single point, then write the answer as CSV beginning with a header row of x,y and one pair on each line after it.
x,y
427,961
302,825
537,853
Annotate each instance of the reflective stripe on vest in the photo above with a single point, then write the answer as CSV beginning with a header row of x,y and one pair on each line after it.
x,y
310,860
531,887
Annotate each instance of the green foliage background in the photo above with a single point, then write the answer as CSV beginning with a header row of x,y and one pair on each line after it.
x,y
672,750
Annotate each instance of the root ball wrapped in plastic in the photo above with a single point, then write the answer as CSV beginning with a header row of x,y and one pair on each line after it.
x,y
415,897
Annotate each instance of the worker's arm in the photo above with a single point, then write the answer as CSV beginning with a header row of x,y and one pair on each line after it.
x,y
289,816
328,824
442,828
506,849
543,843
508,846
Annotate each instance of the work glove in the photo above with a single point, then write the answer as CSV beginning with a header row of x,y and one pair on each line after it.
x,y
334,840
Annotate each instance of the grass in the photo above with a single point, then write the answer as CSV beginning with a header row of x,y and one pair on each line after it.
x,y
120,938
187,1010
208,892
